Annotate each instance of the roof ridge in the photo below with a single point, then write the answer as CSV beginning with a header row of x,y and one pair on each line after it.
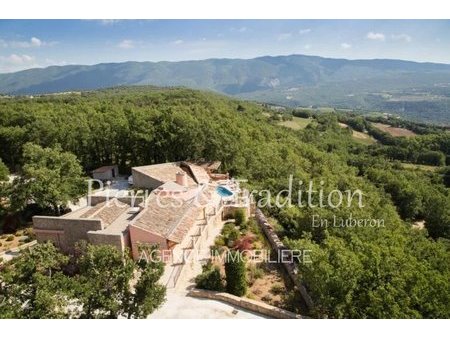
x,y
174,227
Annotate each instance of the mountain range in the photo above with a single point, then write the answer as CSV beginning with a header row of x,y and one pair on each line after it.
x,y
420,91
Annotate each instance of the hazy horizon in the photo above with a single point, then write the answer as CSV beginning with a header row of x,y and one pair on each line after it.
x,y
226,58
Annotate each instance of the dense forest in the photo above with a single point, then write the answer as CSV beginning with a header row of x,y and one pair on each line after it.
x,y
395,271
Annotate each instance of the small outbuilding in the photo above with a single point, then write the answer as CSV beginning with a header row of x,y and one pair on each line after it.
x,y
107,172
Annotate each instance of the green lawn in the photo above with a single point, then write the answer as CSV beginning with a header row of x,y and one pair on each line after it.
x,y
423,167
360,137
297,123
363,138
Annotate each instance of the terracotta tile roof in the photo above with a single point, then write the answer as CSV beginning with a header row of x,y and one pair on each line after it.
x,y
171,186
210,165
180,230
108,212
171,209
163,172
168,217
112,211
103,169
199,173
93,210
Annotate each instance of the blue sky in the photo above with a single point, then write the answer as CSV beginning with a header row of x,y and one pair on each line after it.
x,y
40,43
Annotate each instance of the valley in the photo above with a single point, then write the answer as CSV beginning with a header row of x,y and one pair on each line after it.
x,y
415,91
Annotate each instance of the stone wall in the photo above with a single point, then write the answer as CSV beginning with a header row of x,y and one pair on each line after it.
x,y
64,232
245,303
138,236
117,240
278,246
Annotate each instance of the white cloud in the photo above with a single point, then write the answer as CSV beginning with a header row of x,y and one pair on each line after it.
x,y
304,31
346,45
33,42
126,44
16,59
284,36
178,42
307,46
239,29
109,22
401,37
376,36
15,62
36,42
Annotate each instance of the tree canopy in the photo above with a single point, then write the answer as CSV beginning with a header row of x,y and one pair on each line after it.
x,y
4,172
50,177
98,282
359,272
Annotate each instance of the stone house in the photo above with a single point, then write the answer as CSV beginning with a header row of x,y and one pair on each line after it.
x,y
183,206
108,172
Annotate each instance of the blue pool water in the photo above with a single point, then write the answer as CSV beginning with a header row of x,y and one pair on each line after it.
x,y
224,192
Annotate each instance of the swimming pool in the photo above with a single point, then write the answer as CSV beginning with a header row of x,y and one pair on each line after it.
x,y
224,192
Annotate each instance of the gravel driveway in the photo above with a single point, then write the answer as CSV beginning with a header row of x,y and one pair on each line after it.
x,y
179,305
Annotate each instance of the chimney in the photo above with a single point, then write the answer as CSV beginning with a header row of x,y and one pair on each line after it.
x,y
181,178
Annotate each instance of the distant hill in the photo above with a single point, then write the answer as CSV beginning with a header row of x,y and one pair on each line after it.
x,y
419,91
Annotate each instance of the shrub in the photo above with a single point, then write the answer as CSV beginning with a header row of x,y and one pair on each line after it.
x,y
227,228
257,292
210,278
302,113
253,273
266,299
29,232
10,238
431,158
239,217
253,226
235,274
257,246
230,234
233,236
219,241
250,295
216,249
255,229
244,243
277,289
